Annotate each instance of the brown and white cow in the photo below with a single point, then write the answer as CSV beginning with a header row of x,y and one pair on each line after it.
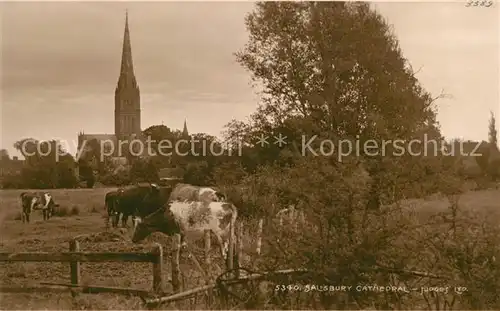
x,y
191,218
189,193
37,201
181,193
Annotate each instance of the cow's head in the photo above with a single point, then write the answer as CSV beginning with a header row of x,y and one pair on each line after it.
x,y
53,204
161,220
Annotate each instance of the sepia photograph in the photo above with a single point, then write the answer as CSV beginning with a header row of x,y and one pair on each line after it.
x,y
238,155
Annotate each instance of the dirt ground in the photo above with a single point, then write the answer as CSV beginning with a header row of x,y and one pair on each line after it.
x,y
87,220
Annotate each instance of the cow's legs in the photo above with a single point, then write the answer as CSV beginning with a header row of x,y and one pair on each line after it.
x,y
109,218
116,219
124,220
183,240
46,214
27,217
111,213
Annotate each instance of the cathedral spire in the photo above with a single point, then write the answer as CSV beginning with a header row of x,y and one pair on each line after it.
x,y
127,66
127,93
185,132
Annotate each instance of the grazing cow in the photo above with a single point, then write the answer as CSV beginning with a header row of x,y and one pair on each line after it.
x,y
37,201
194,217
185,192
139,200
188,193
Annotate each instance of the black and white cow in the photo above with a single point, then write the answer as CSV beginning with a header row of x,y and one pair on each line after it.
x,y
37,201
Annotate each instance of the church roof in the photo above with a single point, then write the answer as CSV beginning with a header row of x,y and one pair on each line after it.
x,y
98,137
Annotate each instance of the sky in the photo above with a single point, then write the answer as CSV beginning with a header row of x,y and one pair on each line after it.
x,y
60,63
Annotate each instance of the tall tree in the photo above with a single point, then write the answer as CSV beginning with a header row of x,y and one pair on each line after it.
x,y
334,69
492,130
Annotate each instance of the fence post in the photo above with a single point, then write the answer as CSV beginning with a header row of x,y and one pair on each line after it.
x,y
176,271
208,240
259,236
239,247
230,252
158,269
74,266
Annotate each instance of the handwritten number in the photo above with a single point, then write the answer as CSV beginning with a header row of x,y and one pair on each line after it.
x,y
485,3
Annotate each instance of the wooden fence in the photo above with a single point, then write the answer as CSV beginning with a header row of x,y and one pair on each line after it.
x,y
74,257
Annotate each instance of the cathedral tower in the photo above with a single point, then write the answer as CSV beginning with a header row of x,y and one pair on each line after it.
x,y
127,94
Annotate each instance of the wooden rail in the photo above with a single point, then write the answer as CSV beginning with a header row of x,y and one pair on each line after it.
x,y
78,257
74,257
66,288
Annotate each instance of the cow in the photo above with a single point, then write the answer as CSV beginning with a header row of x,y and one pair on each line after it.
x,y
37,201
194,217
139,200
189,193
111,201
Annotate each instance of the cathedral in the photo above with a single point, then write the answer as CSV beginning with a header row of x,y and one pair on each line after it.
x,y
127,116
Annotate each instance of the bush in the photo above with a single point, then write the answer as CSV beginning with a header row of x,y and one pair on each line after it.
x,y
122,178
344,240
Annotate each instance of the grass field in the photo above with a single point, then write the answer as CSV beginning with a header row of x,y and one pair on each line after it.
x,y
87,219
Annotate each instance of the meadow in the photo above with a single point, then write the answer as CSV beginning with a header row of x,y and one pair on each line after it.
x,y
82,213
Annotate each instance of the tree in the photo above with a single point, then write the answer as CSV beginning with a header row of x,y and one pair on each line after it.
x,y
144,170
334,69
197,173
166,155
48,165
494,163
492,133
